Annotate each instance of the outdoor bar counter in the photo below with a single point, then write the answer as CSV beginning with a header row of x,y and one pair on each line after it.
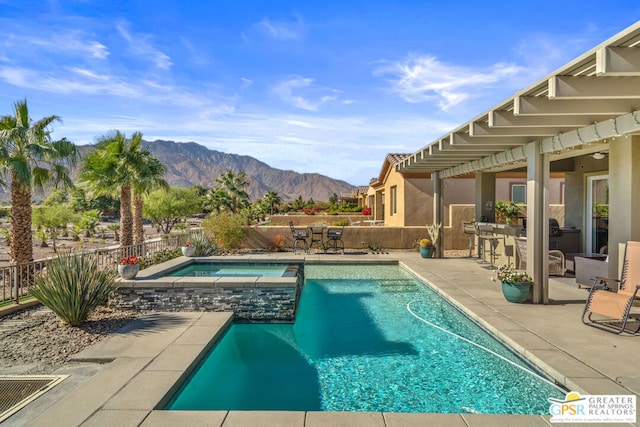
x,y
505,245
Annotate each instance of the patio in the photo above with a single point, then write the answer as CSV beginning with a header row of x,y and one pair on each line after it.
x,y
147,359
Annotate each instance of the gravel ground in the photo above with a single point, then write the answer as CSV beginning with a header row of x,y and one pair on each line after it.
x,y
37,337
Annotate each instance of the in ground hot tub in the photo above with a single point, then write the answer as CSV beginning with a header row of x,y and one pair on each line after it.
x,y
255,290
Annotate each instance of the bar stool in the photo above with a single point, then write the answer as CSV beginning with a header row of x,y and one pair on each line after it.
x,y
485,234
469,228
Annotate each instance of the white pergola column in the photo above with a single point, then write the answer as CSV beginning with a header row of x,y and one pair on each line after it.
x,y
438,211
624,203
485,186
538,221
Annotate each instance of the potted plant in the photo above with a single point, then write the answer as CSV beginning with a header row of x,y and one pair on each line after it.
x,y
188,249
129,267
516,285
426,248
507,211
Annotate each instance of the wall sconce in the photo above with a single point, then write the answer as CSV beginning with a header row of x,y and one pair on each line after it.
x,y
598,156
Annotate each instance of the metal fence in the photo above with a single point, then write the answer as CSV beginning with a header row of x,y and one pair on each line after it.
x,y
16,279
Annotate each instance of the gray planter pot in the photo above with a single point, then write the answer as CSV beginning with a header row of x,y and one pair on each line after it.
x,y
128,271
188,250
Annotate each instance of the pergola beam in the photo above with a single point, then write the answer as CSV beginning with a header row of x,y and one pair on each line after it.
x,y
590,87
618,61
482,130
499,119
542,106
462,139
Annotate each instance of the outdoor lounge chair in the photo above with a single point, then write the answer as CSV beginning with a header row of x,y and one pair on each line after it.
x,y
616,307
556,258
299,235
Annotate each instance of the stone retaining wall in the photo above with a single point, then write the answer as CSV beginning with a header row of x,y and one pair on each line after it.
x,y
259,299
248,304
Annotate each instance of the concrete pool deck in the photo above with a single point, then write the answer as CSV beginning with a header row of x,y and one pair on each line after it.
x,y
144,361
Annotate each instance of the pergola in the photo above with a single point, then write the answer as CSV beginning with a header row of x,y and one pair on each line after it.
x,y
589,105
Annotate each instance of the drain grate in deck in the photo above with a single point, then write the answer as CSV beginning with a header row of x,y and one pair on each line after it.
x,y
16,391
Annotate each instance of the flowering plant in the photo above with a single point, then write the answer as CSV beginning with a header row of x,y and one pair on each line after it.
x,y
425,242
188,244
130,261
506,273
366,211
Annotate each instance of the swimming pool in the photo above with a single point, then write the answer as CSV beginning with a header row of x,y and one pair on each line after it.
x,y
356,346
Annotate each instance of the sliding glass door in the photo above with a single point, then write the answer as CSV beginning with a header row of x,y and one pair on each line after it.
x,y
597,234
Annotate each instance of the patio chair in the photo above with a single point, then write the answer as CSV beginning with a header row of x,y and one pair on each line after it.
x,y
556,258
352,222
299,235
334,235
615,307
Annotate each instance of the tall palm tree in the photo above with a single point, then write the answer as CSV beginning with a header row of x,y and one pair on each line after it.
x,y
149,178
30,159
233,185
112,169
272,198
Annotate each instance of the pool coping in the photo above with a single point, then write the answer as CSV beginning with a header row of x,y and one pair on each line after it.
x,y
147,360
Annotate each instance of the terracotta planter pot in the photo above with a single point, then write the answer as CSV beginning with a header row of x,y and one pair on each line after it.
x,y
128,271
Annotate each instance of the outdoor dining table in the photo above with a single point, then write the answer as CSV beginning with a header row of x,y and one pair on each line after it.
x,y
317,236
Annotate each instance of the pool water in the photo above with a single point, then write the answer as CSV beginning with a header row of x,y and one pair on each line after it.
x,y
356,347
230,270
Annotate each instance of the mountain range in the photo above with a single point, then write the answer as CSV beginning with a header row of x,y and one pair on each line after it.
x,y
189,163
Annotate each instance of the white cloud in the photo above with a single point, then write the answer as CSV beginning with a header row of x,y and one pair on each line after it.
x,y
245,83
301,92
141,45
65,42
427,79
281,30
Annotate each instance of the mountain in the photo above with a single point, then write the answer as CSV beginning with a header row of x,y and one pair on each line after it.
x,y
188,164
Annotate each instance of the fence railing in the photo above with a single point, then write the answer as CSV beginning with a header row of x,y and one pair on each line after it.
x,y
16,279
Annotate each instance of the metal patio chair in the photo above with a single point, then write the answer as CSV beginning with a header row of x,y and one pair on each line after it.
x,y
299,235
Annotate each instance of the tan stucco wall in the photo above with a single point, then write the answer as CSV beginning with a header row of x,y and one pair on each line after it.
x,y
388,237
394,179
503,188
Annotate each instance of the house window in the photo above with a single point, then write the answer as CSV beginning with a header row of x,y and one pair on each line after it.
x,y
519,193
394,200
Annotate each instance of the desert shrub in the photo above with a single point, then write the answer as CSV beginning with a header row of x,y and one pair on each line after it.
x,y
158,257
73,286
228,229
277,243
203,244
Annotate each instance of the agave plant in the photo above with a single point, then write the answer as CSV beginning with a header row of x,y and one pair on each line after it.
x,y
73,286
204,246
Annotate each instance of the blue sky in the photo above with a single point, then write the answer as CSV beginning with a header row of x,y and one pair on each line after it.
x,y
328,87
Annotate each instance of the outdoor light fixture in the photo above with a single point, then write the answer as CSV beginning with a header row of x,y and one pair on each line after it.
x,y
598,156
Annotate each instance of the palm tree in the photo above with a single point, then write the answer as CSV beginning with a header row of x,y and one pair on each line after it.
x,y
216,200
112,169
149,177
272,198
30,159
233,186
